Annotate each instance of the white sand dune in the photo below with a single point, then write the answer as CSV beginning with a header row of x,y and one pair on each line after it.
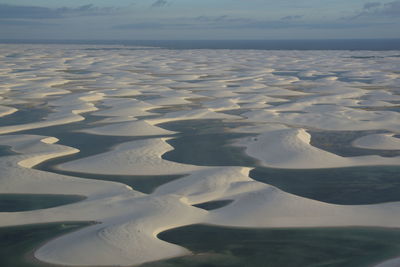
x,y
125,107
168,101
334,119
260,205
390,263
309,104
255,105
16,175
114,119
127,236
34,87
375,103
378,141
284,93
26,92
211,184
280,92
250,98
215,93
56,119
270,207
129,128
121,92
142,157
4,111
130,221
382,96
291,148
221,104
168,97
76,98
195,114
66,110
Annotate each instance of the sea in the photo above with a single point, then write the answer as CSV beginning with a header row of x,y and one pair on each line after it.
x,y
326,44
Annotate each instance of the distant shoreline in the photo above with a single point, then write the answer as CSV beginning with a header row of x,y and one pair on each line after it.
x,y
327,44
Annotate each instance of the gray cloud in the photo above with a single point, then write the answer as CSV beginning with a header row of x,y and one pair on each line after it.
x,y
295,17
154,26
391,9
371,5
144,25
376,9
227,22
224,19
25,23
159,3
35,12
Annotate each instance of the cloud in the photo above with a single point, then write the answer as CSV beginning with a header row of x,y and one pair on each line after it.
x,y
25,23
376,9
35,12
237,23
154,26
142,25
159,3
371,5
227,22
224,19
391,9
296,17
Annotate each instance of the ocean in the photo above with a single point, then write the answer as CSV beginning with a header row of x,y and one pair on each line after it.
x,y
334,44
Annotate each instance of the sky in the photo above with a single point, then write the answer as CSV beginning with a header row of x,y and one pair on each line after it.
x,y
199,19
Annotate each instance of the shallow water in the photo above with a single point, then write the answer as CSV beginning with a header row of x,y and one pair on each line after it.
x,y
6,151
340,143
209,144
336,247
25,202
208,150
18,242
213,205
346,186
90,144
25,114
143,183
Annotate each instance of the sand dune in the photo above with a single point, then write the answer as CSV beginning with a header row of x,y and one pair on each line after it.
x,y
378,141
142,157
128,128
283,96
291,148
4,111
